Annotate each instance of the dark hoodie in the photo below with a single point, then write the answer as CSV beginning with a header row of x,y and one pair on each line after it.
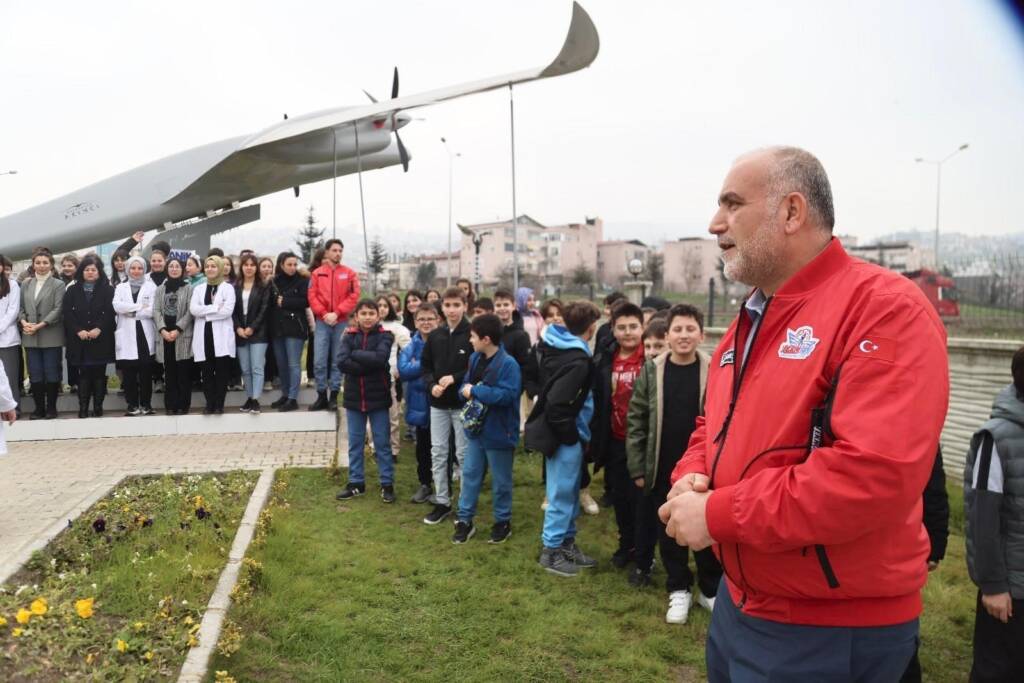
x,y
516,341
567,403
447,352
289,319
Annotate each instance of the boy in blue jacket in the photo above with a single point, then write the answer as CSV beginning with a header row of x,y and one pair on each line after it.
x,y
417,406
363,359
493,380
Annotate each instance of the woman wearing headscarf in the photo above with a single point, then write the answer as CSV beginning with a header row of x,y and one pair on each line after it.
x,y
526,304
290,327
213,335
89,332
136,336
10,340
252,298
42,332
173,321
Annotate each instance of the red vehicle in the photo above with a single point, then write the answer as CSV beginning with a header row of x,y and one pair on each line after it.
x,y
939,289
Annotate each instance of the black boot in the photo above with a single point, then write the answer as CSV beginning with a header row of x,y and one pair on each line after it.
x,y
38,391
99,392
84,394
51,400
321,401
332,402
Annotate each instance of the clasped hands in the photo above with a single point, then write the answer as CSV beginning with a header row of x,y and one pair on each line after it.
x,y
685,512
441,385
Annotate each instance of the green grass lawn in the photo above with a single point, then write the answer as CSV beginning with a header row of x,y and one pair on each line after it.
x,y
366,591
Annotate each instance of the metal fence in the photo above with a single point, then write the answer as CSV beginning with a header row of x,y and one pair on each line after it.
x,y
989,292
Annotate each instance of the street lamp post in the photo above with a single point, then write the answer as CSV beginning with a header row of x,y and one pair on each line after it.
x,y
451,164
938,192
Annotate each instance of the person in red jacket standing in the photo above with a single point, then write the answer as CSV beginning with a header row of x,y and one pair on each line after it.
x,y
824,405
333,294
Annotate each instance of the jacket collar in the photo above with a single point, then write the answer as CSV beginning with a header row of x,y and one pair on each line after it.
x,y
822,267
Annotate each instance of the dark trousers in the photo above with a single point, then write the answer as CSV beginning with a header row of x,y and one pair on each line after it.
x,y
177,380
424,463
138,382
650,532
998,647
623,492
157,371
216,372
744,649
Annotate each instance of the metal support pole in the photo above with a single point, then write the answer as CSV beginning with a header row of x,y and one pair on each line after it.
x,y
448,275
334,186
362,209
515,220
938,194
711,302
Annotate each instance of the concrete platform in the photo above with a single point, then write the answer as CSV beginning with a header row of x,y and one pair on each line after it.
x,y
68,403
69,426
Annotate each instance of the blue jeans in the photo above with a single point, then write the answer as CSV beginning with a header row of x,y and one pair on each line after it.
x,y
745,649
473,463
326,349
253,357
563,491
288,351
44,364
380,427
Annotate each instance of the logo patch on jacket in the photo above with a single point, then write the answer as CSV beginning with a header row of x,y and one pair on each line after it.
x,y
728,358
799,343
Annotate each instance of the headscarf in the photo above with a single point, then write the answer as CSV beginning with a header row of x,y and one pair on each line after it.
x,y
214,281
200,276
172,284
522,295
135,283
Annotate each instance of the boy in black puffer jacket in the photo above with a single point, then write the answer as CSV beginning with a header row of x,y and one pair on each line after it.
x,y
365,351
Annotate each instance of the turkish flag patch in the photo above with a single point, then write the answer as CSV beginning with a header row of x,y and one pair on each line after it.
x,y
878,348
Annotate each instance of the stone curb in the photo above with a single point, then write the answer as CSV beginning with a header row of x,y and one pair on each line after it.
x,y
14,562
198,660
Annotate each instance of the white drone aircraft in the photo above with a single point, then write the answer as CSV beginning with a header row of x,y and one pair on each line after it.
x,y
304,149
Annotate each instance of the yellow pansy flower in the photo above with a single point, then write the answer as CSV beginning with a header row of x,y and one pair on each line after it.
x,y
84,607
17,632
38,606
148,656
23,616
3,622
122,646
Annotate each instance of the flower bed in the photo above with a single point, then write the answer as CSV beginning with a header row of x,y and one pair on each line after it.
x,y
119,594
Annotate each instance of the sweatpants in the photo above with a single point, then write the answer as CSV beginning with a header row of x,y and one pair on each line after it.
x,y
424,469
623,492
563,491
745,649
443,422
650,532
998,647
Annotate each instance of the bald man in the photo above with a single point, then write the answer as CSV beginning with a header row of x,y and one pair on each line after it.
x,y
824,406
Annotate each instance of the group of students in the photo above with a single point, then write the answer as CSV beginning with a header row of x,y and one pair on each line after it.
x,y
595,398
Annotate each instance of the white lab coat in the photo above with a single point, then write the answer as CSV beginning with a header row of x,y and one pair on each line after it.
x,y
6,403
129,311
9,306
218,314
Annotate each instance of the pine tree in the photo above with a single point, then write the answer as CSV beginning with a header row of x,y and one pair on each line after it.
x,y
378,259
310,237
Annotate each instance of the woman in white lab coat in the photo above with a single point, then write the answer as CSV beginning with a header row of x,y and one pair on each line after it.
x,y
10,339
213,334
135,338
7,407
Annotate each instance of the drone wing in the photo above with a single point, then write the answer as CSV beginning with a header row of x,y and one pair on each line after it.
x,y
578,51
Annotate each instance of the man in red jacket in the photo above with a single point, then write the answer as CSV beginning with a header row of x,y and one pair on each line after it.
x,y
824,405
333,294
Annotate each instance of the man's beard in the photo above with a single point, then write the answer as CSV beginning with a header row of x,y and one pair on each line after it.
x,y
756,261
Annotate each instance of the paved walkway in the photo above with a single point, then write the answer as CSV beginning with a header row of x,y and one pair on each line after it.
x,y
45,483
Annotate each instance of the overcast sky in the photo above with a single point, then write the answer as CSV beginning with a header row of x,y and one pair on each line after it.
x,y
645,135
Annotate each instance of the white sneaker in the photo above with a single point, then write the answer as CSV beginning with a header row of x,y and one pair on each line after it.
x,y
705,602
544,505
588,503
678,607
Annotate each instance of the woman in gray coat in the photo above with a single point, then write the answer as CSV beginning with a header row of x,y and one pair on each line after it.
x,y
174,345
42,332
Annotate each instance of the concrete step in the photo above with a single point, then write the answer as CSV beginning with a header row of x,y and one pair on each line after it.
x,y
68,403
69,426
